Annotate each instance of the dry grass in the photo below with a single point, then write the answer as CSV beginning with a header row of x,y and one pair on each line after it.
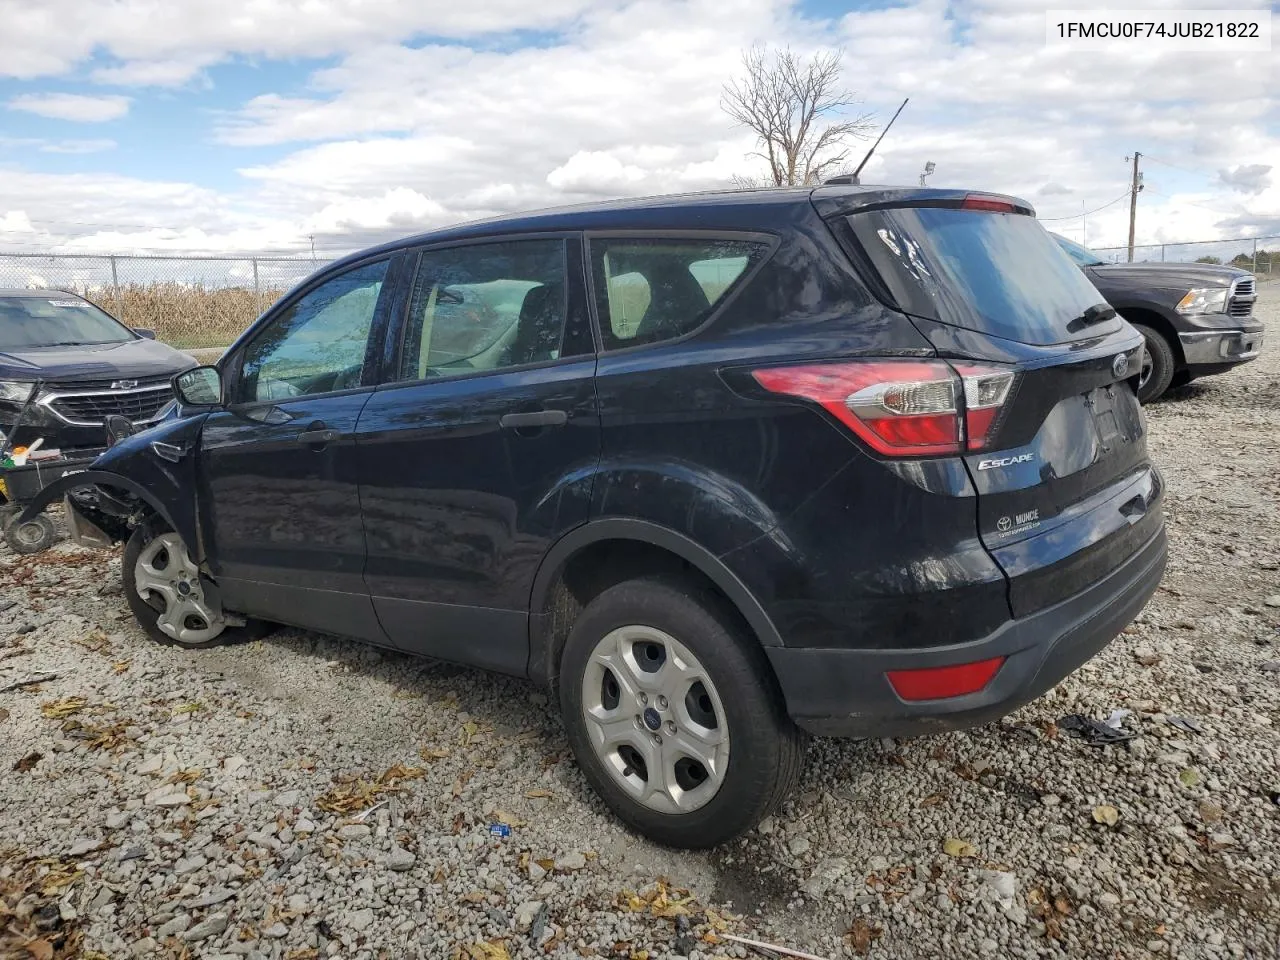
x,y
186,316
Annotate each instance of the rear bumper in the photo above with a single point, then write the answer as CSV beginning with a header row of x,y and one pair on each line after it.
x,y
1219,348
843,692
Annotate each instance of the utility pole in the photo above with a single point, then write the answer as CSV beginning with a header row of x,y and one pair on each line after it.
x,y
1133,201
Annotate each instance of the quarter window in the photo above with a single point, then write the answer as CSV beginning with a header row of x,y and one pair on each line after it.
x,y
318,344
485,307
650,290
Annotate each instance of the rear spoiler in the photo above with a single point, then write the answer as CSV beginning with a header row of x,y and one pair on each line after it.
x,y
836,201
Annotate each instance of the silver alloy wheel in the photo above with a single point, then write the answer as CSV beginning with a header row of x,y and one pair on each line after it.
x,y
169,582
655,719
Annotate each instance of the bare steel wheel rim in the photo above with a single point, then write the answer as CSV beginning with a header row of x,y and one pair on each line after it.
x,y
29,534
655,719
169,583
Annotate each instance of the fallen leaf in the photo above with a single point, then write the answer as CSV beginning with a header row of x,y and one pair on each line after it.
x,y
96,640
121,666
1107,814
531,794
189,707
954,847
4,714
27,763
1189,777
860,935
60,709
469,730
40,950
932,800
1210,812
546,864
511,820
475,896
433,753
1147,659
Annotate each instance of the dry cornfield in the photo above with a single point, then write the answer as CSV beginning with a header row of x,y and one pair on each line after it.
x,y
183,315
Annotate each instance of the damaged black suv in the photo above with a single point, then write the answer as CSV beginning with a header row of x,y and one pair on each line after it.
x,y
720,470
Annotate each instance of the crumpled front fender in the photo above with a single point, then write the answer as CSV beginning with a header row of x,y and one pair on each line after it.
x,y
157,466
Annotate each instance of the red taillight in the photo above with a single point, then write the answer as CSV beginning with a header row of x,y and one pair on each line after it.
x,y
985,391
901,408
976,201
938,683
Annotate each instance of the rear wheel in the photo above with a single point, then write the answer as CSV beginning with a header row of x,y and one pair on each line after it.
x,y
673,714
169,598
1158,363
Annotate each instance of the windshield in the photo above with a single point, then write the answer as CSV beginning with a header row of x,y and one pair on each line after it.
x,y
997,273
55,321
1083,256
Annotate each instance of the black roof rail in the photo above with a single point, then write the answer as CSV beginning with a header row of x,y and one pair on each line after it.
x,y
845,179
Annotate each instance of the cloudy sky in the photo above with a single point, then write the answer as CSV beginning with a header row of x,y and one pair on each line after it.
x,y
254,125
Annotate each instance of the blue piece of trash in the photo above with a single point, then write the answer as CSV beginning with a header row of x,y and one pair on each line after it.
x,y
499,829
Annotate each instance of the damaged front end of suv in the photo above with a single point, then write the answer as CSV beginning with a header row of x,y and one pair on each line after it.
x,y
142,477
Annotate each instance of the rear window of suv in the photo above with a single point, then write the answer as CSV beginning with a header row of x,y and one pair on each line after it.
x,y
650,290
997,273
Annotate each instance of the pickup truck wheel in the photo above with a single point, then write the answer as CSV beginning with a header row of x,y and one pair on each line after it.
x,y
1158,363
167,596
674,716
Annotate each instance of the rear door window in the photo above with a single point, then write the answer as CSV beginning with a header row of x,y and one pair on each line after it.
x,y
997,273
651,290
484,307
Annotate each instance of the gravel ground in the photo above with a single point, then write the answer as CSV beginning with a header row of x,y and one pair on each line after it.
x,y
160,803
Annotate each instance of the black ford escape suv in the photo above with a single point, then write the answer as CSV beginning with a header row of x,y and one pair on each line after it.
x,y
720,469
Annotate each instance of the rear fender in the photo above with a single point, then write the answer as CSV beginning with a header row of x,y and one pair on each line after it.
x,y
156,467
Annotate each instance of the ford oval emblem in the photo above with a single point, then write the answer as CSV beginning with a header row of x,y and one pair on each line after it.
x,y
1120,366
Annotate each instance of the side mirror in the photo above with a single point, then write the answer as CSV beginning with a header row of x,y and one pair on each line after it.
x,y
144,333
199,387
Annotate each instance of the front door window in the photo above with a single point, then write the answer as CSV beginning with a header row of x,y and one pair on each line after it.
x,y
318,344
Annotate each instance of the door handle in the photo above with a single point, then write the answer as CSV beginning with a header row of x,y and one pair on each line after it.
x,y
317,436
533,418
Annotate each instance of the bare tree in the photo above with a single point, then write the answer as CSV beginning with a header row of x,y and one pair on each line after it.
x,y
798,112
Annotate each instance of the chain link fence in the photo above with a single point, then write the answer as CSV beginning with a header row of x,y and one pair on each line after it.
x,y
189,302
1258,255
195,302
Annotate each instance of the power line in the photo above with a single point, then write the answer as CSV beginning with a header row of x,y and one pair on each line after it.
x,y
1178,166
1173,199
1086,213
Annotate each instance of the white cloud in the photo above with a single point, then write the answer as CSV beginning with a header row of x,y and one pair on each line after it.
x,y
397,133
1250,178
50,37
71,106
15,221
77,146
595,172
151,73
